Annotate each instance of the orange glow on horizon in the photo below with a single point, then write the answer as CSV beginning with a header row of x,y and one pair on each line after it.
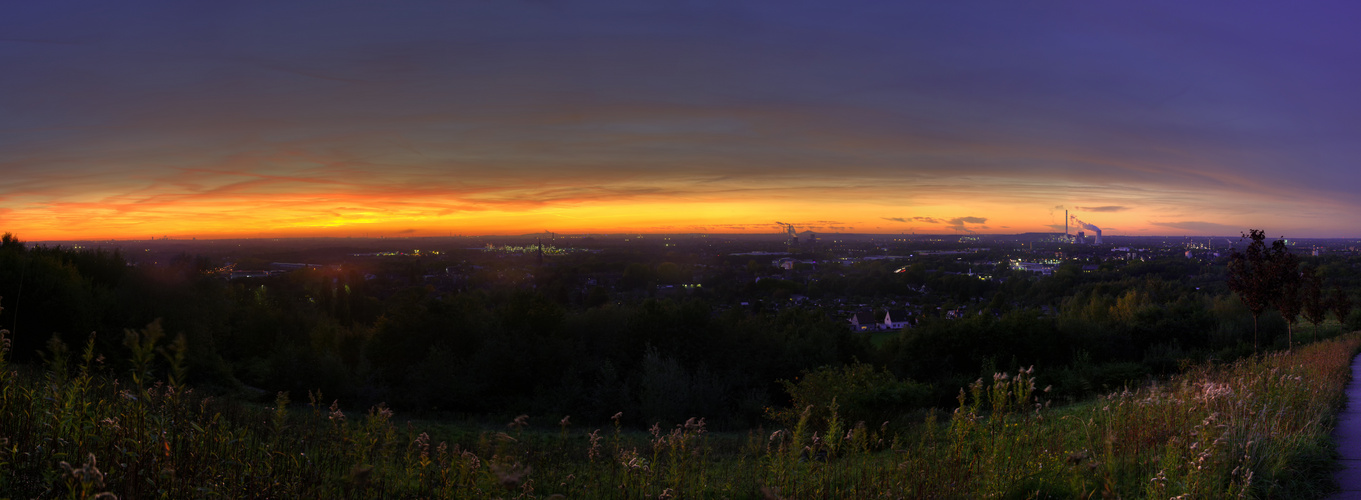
x,y
288,216
214,204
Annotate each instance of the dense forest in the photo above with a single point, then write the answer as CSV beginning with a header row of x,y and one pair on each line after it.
x,y
505,346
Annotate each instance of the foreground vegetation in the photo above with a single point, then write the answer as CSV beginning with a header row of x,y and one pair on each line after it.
x,y
512,337
1256,428
835,413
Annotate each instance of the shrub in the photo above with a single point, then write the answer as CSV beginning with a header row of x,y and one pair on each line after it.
x,y
860,391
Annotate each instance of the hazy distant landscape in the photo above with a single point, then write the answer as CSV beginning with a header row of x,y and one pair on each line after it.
x,y
763,365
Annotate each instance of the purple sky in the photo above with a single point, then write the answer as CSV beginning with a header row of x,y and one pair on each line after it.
x,y
1142,117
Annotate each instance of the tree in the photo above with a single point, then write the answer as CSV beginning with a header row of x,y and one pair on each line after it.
x,y
10,241
1285,266
1341,304
1253,275
637,276
1315,307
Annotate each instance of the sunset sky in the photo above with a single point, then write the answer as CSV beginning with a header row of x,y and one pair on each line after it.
x,y
132,120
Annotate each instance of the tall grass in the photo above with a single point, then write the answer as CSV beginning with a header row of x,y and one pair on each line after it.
x,y
1258,428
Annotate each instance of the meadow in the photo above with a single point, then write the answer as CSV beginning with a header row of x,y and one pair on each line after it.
x,y
1255,428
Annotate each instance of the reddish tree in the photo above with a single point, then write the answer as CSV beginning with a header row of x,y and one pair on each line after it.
x,y
1254,274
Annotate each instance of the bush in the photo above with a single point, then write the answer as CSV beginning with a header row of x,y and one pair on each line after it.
x,y
860,391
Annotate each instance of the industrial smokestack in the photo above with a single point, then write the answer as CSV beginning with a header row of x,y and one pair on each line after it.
x,y
1065,224
1089,227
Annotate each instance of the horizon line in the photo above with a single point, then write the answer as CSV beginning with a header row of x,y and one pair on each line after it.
x,y
641,234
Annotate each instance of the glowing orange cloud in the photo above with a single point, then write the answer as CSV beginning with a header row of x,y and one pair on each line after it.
x,y
308,190
215,203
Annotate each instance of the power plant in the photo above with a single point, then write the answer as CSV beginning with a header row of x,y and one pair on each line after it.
x,y
790,231
1080,235
797,238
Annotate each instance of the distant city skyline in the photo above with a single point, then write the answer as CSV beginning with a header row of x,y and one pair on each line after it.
x,y
340,118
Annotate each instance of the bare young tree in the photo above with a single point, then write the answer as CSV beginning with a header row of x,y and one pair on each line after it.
x,y
1287,298
1315,306
1254,274
1341,304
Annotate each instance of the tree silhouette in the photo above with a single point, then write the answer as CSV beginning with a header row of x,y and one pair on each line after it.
x,y
1341,304
1254,274
1311,295
10,241
1287,299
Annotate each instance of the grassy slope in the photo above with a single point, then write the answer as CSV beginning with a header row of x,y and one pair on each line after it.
x,y
1257,428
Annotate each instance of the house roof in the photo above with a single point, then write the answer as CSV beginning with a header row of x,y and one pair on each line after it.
x,y
863,318
899,314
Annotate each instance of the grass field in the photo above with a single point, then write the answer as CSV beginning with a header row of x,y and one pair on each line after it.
x,y
1258,428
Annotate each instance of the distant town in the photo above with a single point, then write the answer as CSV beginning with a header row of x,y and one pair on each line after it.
x,y
764,272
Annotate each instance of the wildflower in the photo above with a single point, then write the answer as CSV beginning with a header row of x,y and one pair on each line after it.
x,y
520,422
423,443
566,421
632,461
594,451
112,423
336,415
696,426
381,411
88,474
1159,481
471,459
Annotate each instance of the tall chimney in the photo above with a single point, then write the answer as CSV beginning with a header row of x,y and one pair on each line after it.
x,y
1065,223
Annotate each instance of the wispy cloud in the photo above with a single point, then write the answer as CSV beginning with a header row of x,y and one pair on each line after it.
x,y
337,114
1199,227
958,224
